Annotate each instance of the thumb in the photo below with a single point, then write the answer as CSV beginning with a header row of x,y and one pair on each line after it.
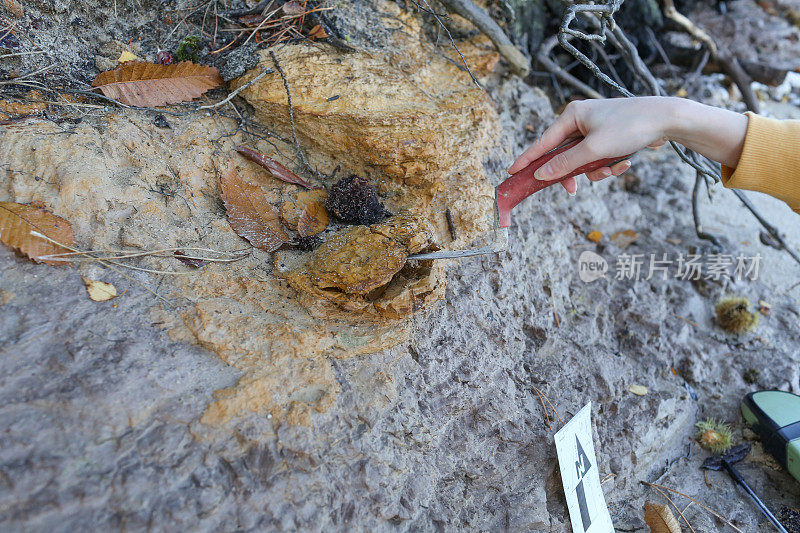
x,y
567,161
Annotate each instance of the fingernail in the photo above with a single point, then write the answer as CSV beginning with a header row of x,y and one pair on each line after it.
x,y
627,164
572,193
605,173
543,172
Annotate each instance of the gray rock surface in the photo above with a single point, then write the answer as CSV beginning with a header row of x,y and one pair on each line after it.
x,y
99,410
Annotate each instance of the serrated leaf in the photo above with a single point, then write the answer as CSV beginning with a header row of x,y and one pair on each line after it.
x,y
100,291
250,214
660,519
149,84
17,221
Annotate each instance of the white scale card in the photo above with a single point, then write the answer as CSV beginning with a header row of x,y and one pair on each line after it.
x,y
580,477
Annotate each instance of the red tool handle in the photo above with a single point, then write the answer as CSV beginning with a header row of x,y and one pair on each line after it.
x,y
522,184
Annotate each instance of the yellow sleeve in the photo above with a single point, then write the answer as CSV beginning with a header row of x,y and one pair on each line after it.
x,y
770,161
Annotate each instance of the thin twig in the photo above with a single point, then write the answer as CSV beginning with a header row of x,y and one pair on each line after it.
x,y
237,91
549,403
676,508
104,263
452,41
467,9
297,147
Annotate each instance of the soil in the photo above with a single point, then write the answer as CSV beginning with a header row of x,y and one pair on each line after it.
x,y
252,405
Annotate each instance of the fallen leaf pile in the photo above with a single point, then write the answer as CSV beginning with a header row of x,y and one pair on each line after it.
x,y
660,519
250,214
150,84
17,221
254,218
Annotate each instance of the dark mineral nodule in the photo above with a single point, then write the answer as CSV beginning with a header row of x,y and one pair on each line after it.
x,y
354,200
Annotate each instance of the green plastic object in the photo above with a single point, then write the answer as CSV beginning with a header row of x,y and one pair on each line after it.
x,y
775,416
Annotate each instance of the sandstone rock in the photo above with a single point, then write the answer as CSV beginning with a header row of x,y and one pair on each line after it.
x,y
419,134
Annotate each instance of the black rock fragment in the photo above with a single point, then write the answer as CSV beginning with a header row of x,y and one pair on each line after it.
x,y
354,200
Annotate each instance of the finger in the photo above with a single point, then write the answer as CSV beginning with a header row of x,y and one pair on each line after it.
x,y
599,174
567,161
658,144
564,127
620,167
571,185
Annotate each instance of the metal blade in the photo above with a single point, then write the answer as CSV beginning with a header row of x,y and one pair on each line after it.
x,y
453,254
500,245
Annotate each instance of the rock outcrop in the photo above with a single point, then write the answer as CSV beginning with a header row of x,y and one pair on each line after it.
x,y
412,122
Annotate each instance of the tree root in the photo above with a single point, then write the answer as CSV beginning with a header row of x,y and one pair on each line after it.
x,y
729,62
516,59
543,57
608,29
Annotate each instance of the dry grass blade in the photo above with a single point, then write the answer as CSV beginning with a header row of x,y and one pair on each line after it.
x,y
660,519
250,214
18,220
149,84
706,507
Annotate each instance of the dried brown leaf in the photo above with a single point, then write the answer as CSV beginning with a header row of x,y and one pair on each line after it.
x,y
293,8
660,519
100,291
18,220
276,169
250,214
150,84
624,238
313,220
318,32
292,209
187,260
15,8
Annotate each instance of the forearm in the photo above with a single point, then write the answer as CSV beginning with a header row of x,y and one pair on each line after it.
x,y
716,133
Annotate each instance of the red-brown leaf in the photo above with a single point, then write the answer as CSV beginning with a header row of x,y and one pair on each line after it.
x,y
250,214
293,8
18,220
149,84
313,219
187,260
276,169
318,32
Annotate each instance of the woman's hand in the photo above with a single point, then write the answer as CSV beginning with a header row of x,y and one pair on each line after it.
x,y
611,128
620,126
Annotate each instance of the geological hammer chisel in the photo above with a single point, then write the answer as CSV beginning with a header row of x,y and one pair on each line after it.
x,y
514,190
